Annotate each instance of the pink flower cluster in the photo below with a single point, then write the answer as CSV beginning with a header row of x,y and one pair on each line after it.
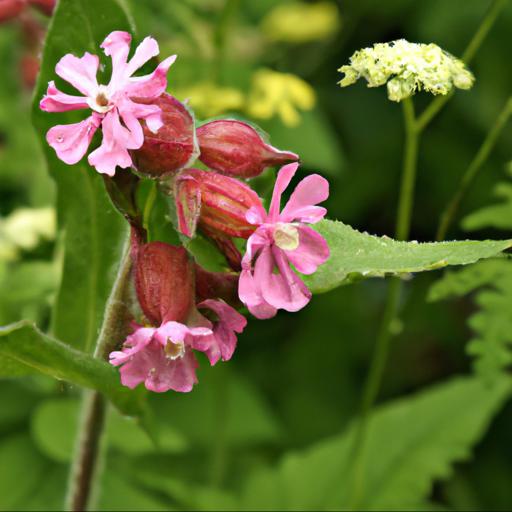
x,y
186,309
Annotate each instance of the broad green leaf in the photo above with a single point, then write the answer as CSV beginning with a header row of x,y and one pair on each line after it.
x,y
491,345
412,442
28,346
93,231
356,255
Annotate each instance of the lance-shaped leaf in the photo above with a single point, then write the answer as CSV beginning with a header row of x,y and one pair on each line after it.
x,y
28,348
93,231
356,255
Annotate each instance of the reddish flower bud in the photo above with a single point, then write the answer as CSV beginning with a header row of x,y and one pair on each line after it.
x,y
217,285
217,203
164,282
173,147
45,6
235,148
9,9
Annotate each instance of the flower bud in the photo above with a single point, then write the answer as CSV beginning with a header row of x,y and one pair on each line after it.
x,y
10,9
217,285
237,149
217,203
173,146
164,282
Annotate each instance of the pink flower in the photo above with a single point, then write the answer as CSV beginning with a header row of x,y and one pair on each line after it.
x,y
114,106
222,343
161,357
267,282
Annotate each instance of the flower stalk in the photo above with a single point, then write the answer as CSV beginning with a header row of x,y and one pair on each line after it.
x,y
85,465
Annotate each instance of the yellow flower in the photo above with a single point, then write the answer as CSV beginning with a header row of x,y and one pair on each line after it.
x,y
281,94
300,22
406,68
209,100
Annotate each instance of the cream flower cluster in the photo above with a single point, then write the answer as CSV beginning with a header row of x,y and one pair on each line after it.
x,y
406,68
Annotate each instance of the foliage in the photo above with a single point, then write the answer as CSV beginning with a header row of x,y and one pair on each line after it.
x,y
491,324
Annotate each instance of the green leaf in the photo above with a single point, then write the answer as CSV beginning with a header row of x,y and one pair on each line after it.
x,y
496,216
93,230
412,442
29,347
356,255
491,344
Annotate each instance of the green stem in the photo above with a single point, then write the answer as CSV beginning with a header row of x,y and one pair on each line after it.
x,y
474,167
390,317
473,46
148,208
403,221
84,468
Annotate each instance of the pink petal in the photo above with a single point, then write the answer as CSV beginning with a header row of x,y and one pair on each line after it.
x,y
223,341
301,206
250,294
284,177
57,101
144,52
152,114
256,215
113,150
180,333
79,72
312,251
153,85
260,238
70,141
176,331
134,135
117,46
117,42
158,372
284,289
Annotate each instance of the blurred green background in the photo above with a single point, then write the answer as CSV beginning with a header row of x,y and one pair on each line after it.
x,y
296,379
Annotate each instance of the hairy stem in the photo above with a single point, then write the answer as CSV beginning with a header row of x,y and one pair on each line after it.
x,y
474,167
471,49
86,461
390,319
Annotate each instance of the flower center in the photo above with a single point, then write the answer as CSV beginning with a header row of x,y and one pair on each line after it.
x,y
101,102
286,237
174,349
